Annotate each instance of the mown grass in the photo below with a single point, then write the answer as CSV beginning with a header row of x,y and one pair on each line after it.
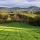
x,y
19,31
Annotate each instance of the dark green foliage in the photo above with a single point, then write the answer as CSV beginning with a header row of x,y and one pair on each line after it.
x,y
3,18
35,21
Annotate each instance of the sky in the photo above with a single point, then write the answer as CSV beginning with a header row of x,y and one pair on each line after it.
x,y
19,3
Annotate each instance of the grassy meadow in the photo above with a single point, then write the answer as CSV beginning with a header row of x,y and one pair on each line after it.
x,y
19,31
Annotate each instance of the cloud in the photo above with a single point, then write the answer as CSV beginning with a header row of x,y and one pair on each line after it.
x,y
19,2
36,4
13,0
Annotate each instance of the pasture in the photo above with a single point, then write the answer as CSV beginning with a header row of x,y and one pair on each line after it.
x,y
19,31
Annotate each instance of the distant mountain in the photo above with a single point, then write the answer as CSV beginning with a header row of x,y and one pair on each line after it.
x,y
31,7
2,7
16,7
34,7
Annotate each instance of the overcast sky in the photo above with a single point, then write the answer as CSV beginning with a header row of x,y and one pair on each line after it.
x,y
19,3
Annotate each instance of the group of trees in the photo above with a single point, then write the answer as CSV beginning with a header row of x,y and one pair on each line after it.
x,y
3,17
34,21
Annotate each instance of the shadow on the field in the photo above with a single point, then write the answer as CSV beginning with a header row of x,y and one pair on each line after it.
x,y
18,24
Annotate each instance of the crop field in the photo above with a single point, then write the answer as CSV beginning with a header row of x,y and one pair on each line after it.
x,y
19,31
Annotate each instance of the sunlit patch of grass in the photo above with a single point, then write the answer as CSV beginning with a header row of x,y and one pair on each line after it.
x,y
13,33
30,15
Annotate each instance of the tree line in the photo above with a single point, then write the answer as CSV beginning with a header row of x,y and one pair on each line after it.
x,y
12,17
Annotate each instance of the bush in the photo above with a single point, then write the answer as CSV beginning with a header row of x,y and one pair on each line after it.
x,y
35,21
3,17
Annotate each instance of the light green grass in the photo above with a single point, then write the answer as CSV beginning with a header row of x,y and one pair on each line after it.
x,y
19,31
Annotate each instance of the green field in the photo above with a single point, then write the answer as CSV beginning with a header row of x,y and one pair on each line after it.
x,y
19,31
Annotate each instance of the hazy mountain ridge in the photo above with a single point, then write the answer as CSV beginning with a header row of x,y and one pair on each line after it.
x,y
24,7
29,8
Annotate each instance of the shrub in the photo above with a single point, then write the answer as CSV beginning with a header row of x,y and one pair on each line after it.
x,y
3,17
35,21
